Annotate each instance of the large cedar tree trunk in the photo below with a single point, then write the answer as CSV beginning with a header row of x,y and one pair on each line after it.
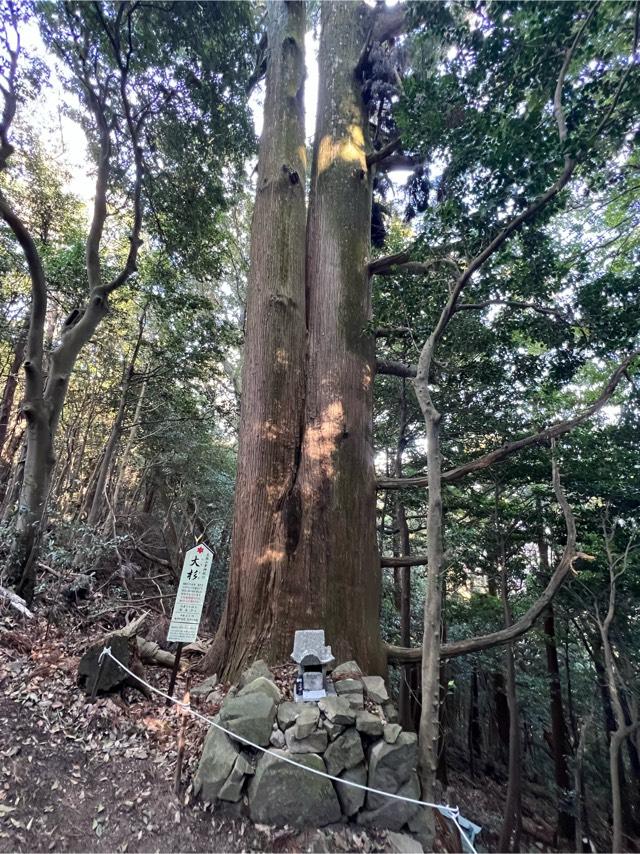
x,y
337,564
304,551
263,601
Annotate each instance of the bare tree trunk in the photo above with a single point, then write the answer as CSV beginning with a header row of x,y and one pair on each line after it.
x,y
266,596
444,705
309,557
474,733
431,641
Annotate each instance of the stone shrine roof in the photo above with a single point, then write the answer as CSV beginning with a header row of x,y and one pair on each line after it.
x,y
309,648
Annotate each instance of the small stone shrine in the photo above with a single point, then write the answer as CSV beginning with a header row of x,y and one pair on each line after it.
x,y
313,658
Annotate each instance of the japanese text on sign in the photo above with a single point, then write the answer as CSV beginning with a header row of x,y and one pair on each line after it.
x,y
190,598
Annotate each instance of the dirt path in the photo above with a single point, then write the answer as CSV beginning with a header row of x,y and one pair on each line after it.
x,y
63,795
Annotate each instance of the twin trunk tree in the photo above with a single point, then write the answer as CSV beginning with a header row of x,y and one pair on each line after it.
x,y
304,551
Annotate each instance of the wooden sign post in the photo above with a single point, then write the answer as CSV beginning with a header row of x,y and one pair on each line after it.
x,y
187,609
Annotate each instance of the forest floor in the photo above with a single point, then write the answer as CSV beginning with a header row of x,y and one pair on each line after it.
x,y
76,776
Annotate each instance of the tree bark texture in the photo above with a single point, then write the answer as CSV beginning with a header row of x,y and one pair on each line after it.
x,y
264,600
337,556
307,557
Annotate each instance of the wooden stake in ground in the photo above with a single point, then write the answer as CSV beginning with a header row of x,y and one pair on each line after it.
x,y
183,723
174,673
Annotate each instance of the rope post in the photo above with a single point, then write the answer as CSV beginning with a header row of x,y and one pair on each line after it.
x,y
181,740
101,663
174,673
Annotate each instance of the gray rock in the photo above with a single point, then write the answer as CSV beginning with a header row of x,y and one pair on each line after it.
x,y
369,724
232,788
333,730
245,765
218,758
287,713
390,767
337,710
390,712
391,732
277,739
250,716
261,683
307,721
258,668
375,688
344,753
351,690
393,814
352,799
314,743
216,697
422,826
204,688
402,843
348,686
348,669
280,793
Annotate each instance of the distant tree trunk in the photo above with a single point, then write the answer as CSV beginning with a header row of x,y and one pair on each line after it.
x,y
97,505
404,572
474,733
559,733
581,825
12,487
444,705
265,600
126,453
512,826
9,391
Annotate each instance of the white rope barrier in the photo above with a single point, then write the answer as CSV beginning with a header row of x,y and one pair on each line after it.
x,y
452,813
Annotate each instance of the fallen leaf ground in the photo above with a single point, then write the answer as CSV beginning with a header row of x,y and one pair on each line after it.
x,y
76,776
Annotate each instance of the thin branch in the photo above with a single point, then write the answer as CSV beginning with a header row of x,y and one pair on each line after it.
x,y
558,110
401,262
392,331
402,655
384,152
395,369
408,560
506,450
541,309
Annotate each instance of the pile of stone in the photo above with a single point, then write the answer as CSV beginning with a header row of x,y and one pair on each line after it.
x,y
352,735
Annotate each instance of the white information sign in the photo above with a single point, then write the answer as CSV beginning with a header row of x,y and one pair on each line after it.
x,y
191,592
